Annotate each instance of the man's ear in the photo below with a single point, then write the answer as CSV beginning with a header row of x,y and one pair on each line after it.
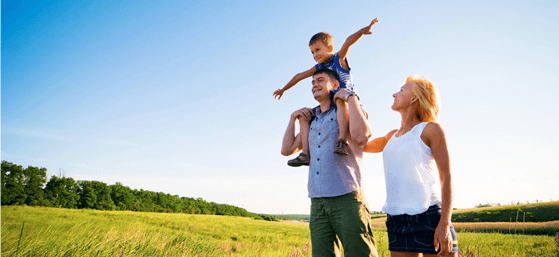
x,y
336,84
331,48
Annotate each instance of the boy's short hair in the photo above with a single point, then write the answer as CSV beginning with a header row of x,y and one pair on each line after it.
x,y
332,74
322,36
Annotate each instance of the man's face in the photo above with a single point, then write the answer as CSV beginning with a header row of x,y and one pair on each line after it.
x,y
322,84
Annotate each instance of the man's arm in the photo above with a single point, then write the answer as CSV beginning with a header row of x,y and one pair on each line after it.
x,y
352,39
291,142
359,130
300,76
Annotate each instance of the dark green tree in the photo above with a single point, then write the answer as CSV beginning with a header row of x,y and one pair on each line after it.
x,y
62,192
103,193
35,179
4,190
88,198
13,182
122,197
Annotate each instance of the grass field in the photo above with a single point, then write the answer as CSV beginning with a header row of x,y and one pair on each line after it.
x,y
549,228
534,212
63,232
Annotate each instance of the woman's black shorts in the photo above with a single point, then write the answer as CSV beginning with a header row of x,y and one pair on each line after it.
x,y
416,233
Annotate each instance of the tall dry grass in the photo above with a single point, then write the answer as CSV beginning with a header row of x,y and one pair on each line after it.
x,y
550,228
63,232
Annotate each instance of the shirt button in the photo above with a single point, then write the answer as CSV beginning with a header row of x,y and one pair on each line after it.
x,y
318,146
318,159
317,173
319,134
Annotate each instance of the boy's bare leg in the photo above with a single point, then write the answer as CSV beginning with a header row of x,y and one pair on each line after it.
x,y
304,158
343,125
304,127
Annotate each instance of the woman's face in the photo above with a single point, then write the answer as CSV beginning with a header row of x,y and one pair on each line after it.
x,y
403,98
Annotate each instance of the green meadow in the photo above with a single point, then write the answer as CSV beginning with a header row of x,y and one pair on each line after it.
x,y
43,231
70,232
532,212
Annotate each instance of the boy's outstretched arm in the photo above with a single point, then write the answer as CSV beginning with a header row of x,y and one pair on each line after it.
x,y
353,38
300,76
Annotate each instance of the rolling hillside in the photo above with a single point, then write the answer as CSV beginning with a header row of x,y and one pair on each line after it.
x,y
534,212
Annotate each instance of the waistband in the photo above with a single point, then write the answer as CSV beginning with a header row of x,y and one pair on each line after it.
x,y
431,209
352,195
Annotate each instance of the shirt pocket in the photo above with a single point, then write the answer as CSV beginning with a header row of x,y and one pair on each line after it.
x,y
313,135
331,130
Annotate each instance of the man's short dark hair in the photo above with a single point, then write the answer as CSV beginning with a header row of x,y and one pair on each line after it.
x,y
329,72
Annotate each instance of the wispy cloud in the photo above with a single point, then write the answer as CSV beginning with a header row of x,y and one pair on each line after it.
x,y
37,133
117,142
50,135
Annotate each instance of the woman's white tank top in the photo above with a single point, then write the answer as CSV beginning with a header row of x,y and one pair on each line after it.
x,y
410,172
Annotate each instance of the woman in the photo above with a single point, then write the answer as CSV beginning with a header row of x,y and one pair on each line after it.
x,y
418,220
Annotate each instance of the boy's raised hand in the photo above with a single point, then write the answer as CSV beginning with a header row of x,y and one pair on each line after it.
x,y
352,39
278,93
367,30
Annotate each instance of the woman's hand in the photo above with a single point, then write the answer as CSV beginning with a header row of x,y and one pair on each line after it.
x,y
443,239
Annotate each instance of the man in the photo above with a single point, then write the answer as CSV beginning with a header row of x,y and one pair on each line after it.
x,y
339,212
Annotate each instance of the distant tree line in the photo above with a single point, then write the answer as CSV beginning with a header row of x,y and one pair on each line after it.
x,y
298,217
484,205
511,203
29,186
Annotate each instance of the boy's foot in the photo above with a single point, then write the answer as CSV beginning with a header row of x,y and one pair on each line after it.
x,y
341,147
302,159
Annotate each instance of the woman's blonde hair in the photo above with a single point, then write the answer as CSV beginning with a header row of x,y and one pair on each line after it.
x,y
428,98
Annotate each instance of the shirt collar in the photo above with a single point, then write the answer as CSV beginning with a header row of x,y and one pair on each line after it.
x,y
318,112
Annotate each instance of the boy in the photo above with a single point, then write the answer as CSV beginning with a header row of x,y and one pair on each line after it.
x,y
322,49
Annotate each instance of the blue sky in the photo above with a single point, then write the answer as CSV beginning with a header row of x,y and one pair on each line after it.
x,y
176,96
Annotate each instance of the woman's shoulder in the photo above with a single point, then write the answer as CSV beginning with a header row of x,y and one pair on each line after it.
x,y
432,130
431,127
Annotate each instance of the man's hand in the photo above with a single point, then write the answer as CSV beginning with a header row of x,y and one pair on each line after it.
x,y
367,30
305,113
278,93
340,95
443,240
